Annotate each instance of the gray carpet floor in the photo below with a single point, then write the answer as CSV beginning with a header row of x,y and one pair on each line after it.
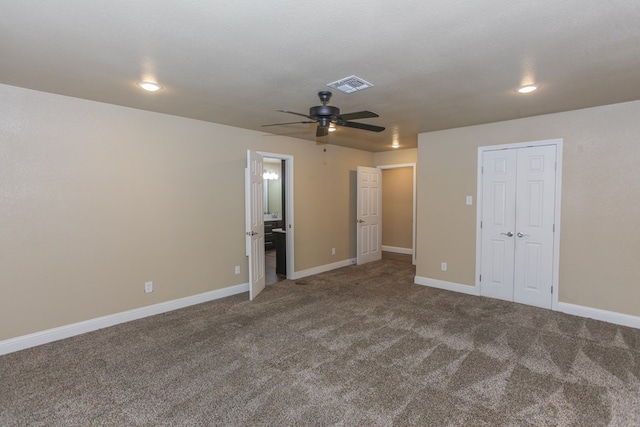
x,y
357,346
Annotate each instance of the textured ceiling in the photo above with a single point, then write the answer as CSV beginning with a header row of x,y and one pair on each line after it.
x,y
434,64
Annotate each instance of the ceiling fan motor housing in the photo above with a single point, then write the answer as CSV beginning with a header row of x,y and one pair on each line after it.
x,y
324,114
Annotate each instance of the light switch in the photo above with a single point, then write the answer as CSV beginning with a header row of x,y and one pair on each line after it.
x,y
469,200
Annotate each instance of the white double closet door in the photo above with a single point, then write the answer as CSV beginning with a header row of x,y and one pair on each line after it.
x,y
517,224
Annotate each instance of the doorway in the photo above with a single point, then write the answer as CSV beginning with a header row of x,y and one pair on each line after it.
x,y
518,222
394,214
274,211
399,211
278,217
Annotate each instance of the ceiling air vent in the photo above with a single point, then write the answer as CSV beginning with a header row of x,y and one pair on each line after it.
x,y
350,84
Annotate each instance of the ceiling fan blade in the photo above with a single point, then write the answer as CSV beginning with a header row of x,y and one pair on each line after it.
x,y
297,114
322,131
358,115
287,123
362,126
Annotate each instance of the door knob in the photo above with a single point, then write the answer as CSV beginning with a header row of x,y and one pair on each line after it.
x,y
360,221
251,233
509,234
520,234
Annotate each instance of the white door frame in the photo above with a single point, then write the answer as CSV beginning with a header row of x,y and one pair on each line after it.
x,y
288,207
413,232
556,237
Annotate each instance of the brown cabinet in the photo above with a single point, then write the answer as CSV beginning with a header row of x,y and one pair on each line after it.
x,y
269,236
281,251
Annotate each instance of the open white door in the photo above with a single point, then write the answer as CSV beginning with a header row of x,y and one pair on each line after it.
x,y
369,207
254,182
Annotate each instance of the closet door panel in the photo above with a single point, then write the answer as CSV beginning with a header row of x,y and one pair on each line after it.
x,y
535,211
498,224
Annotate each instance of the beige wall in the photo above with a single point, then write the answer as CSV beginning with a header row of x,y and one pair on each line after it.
x,y
397,207
97,199
600,213
396,157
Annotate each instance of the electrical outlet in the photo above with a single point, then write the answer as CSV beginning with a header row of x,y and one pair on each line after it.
x,y
333,251
148,287
443,266
237,269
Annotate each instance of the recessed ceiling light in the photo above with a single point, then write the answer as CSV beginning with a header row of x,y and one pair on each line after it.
x,y
527,88
395,144
150,86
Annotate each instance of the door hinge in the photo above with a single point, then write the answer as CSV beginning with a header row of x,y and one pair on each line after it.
x,y
480,224
481,277
554,228
552,290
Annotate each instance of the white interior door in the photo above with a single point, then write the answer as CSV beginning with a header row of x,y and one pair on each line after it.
x,y
535,225
498,223
254,214
369,211
518,211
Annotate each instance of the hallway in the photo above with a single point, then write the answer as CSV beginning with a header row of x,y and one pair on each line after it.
x,y
270,264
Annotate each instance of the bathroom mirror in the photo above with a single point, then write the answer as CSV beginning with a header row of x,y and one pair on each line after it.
x,y
272,186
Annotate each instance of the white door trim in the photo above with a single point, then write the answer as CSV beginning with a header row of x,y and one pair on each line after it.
x,y
414,211
558,197
288,206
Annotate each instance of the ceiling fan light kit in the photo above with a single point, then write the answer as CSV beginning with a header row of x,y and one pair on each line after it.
x,y
325,115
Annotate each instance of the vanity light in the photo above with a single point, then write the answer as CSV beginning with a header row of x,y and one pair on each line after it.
x,y
527,88
269,175
150,86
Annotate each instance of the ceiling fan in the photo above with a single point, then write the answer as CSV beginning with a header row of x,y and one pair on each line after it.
x,y
326,115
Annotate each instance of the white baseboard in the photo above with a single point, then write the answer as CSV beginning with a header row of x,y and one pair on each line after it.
x,y
323,268
448,286
598,314
564,307
397,250
67,331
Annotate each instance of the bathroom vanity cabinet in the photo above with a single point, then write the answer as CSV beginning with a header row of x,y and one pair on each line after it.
x,y
269,236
